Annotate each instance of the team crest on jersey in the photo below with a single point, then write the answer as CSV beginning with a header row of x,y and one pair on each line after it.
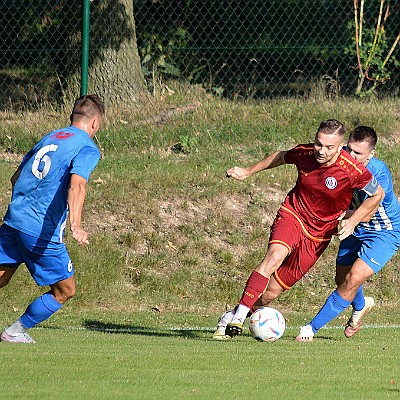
x,y
62,135
330,182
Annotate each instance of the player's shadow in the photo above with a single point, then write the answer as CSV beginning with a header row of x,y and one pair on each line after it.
x,y
126,329
328,338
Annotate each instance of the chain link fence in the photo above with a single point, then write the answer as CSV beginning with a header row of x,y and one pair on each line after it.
x,y
34,53
261,49
238,49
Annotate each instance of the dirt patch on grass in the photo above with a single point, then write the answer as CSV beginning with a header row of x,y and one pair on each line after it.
x,y
216,229
10,157
391,139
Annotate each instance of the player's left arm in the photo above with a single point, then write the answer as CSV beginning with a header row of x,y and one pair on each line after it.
x,y
76,199
366,210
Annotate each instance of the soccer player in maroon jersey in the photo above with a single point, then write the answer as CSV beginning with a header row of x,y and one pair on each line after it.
x,y
307,218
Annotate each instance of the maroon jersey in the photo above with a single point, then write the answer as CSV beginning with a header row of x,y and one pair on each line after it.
x,y
322,193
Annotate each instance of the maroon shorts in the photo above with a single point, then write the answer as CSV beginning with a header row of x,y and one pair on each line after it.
x,y
304,248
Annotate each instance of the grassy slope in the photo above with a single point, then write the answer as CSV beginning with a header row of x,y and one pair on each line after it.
x,y
169,231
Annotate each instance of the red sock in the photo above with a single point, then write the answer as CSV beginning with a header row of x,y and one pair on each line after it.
x,y
255,287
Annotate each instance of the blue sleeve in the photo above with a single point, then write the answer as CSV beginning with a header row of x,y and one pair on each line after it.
x,y
382,174
85,162
371,187
384,178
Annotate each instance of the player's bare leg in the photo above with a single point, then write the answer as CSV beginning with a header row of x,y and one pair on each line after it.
x,y
20,337
355,277
63,290
256,285
272,291
339,300
341,272
39,310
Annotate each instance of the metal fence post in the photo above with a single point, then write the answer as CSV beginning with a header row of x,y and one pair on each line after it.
x,y
85,46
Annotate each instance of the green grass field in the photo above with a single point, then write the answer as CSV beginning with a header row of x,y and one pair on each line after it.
x,y
172,242
156,356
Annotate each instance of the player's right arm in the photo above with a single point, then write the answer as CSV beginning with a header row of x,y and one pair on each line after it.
x,y
273,160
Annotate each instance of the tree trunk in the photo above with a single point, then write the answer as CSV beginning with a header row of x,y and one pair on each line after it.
x,y
114,65
115,73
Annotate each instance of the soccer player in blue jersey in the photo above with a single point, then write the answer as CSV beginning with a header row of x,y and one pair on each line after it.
x,y
367,250
49,185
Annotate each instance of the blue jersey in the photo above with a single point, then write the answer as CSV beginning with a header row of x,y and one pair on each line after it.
x,y
387,217
39,205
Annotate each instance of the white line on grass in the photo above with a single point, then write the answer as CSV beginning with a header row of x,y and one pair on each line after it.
x,y
370,326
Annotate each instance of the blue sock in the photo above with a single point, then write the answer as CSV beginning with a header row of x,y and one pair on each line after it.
x,y
334,305
39,310
359,302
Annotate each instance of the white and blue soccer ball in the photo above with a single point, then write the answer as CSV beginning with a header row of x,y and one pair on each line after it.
x,y
267,324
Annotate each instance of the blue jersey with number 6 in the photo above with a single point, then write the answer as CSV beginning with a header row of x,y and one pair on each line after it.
x,y
39,204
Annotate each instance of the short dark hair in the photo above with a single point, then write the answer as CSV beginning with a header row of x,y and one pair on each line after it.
x,y
363,133
332,126
88,106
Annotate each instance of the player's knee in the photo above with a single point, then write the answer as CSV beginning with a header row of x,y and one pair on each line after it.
x,y
64,296
64,293
351,282
69,293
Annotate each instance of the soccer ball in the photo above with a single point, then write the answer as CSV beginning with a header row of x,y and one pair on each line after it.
x,y
267,324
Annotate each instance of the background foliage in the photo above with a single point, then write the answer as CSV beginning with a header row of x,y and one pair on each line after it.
x,y
239,49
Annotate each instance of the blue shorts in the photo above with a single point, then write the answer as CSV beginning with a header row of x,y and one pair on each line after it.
x,y
375,248
47,262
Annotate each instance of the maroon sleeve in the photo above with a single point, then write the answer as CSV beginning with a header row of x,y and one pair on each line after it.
x,y
292,155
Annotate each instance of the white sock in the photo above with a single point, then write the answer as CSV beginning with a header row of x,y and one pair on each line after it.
x,y
226,318
15,329
241,313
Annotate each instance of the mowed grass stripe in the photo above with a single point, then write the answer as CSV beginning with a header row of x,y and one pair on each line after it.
x,y
205,328
82,364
